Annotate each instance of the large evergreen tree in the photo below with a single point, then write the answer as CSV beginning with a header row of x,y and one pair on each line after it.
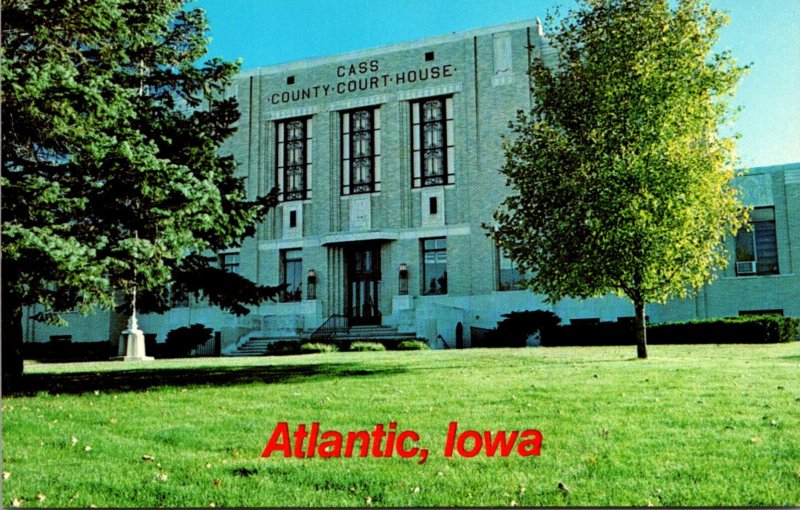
x,y
623,177
111,173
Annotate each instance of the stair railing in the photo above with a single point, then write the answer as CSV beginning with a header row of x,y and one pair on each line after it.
x,y
336,323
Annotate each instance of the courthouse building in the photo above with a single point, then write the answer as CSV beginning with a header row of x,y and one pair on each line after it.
x,y
387,162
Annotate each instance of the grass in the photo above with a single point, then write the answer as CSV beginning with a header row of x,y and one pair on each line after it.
x,y
691,426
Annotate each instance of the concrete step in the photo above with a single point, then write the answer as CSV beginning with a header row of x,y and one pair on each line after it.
x,y
258,346
377,332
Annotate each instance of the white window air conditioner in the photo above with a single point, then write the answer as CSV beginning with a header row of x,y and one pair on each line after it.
x,y
746,267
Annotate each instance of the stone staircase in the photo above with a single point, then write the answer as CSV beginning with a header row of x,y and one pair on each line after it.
x,y
257,346
376,333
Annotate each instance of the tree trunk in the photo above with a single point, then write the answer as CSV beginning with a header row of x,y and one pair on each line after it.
x,y
641,330
12,342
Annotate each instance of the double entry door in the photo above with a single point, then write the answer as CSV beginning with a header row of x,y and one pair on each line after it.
x,y
363,284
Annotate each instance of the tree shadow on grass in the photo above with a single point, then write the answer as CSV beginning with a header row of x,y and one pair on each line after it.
x,y
144,379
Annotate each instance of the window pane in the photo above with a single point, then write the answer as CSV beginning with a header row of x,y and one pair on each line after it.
x,y
745,251
293,275
509,275
230,262
434,268
766,247
432,110
762,214
433,136
758,244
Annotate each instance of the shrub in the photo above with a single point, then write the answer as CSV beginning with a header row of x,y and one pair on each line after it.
x,y
180,341
283,347
367,346
412,345
310,348
516,327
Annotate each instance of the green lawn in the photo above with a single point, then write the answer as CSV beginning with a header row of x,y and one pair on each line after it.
x,y
693,425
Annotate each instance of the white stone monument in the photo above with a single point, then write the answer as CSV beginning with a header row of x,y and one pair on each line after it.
x,y
133,340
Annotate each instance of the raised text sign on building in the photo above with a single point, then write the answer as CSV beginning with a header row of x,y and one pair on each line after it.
x,y
362,76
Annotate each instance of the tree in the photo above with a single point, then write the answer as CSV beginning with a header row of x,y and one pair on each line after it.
x,y
111,174
622,179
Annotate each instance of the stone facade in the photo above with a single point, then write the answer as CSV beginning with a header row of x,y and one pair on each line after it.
x,y
361,241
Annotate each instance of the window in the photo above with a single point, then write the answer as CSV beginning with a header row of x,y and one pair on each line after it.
x,y
292,268
508,275
757,247
434,266
293,158
229,262
361,151
431,141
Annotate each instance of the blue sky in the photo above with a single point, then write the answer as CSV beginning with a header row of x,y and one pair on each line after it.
x,y
765,33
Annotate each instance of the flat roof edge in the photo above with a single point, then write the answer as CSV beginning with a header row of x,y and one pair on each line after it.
x,y
356,54
770,168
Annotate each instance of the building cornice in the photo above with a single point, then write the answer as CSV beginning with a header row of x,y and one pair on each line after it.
x,y
382,50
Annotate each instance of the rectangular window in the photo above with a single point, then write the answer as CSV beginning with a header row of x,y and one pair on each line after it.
x,y
293,158
508,275
757,246
360,149
434,266
292,269
229,262
432,141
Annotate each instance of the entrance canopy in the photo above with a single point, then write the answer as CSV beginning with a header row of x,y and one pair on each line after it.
x,y
356,237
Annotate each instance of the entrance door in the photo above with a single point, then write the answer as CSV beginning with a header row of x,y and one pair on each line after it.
x,y
363,276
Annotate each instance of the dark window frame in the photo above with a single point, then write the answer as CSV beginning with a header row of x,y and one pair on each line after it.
x,y
292,295
516,282
348,161
419,177
441,288
282,170
230,262
749,235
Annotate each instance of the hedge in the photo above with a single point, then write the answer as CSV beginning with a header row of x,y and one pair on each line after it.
x,y
62,351
750,329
